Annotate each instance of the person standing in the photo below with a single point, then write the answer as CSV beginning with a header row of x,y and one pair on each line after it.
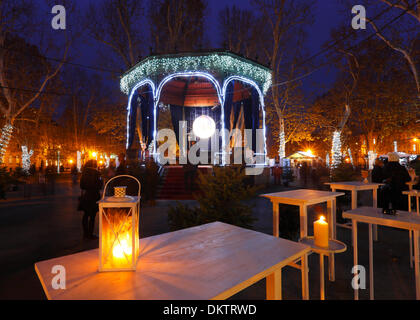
x,y
90,184
74,174
277,173
395,177
378,171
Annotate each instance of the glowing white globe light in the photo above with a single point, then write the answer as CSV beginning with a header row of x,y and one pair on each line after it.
x,y
204,127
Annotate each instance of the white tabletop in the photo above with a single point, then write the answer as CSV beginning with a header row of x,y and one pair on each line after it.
x,y
302,196
334,246
211,261
403,220
354,185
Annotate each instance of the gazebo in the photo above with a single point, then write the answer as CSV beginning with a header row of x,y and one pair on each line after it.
x,y
220,85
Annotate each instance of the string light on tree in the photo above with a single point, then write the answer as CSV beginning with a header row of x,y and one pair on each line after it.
x,y
351,157
282,147
26,158
6,133
336,149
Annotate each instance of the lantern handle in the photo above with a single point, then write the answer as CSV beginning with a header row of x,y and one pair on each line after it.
x,y
123,175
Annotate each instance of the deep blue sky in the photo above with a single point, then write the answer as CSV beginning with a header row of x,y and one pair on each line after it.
x,y
327,16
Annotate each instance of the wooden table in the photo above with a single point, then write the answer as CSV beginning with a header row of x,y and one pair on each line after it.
x,y
374,216
334,246
303,198
416,195
211,261
354,187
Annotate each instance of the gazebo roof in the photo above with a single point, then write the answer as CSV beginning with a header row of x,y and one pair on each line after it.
x,y
220,64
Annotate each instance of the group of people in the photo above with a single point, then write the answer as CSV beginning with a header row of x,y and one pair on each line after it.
x,y
394,176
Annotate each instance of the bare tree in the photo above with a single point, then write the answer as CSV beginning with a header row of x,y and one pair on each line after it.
x,y
177,24
410,8
240,31
15,18
285,20
117,24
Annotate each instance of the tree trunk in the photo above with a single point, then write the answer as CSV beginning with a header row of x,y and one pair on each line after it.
x,y
282,140
6,134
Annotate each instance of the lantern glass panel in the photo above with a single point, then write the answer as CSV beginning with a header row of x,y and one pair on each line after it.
x,y
119,246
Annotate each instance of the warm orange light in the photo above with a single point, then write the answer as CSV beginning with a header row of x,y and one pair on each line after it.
x,y
116,240
94,154
70,161
322,218
415,139
347,160
100,162
123,247
309,151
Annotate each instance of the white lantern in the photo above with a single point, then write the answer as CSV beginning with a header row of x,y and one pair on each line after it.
x,y
119,230
204,127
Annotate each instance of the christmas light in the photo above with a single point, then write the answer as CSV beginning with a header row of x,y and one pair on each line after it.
x,y
371,159
336,149
6,133
221,63
260,95
79,161
138,85
282,146
26,158
351,157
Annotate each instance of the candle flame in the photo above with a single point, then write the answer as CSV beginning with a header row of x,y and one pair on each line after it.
x,y
123,247
322,218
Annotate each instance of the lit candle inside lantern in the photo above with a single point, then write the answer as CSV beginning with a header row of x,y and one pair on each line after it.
x,y
321,232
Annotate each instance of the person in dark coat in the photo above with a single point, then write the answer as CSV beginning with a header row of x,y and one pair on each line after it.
x,y
395,177
91,184
378,171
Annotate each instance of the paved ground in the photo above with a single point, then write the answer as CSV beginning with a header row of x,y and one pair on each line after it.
x,y
44,227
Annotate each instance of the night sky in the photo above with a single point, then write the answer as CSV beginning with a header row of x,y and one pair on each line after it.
x,y
327,14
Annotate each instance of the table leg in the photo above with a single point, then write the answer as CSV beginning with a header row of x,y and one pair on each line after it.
x,y
303,214
375,205
417,204
275,219
353,199
416,262
321,276
273,285
331,225
409,203
411,248
371,282
305,280
355,262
